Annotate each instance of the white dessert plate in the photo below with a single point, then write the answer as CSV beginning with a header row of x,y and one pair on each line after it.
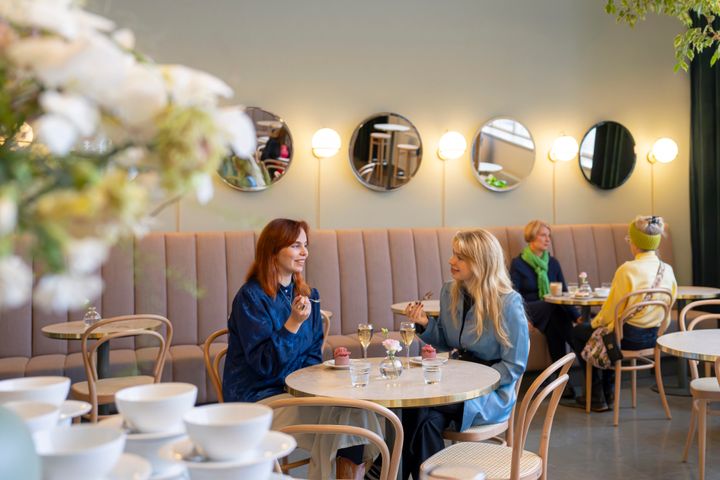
x,y
274,445
176,472
418,360
117,422
331,364
601,294
73,408
130,467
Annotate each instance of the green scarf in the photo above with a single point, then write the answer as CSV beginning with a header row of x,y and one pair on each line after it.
x,y
540,265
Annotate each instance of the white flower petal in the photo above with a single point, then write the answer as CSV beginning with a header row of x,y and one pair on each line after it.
x,y
57,133
125,38
86,255
239,130
78,110
15,282
188,86
140,97
62,292
203,188
8,215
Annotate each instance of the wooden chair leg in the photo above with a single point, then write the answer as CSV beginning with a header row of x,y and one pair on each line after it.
x,y
660,385
588,386
691,431
702,425
633,383
618,382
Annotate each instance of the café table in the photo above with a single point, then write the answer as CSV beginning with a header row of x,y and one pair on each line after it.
x,y
431,307
460,381
585,303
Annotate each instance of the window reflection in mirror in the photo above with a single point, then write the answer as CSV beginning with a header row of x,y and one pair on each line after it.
x,y
272,157
503,154
385,151
607,155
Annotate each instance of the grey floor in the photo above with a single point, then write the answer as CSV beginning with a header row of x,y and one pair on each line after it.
x,y
644,446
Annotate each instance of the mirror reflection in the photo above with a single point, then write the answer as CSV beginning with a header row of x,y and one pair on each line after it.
x,y
385,151
607,155
272,157
503,154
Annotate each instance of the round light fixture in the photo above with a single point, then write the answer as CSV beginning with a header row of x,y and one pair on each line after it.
x,y
452,145
563,149
325,143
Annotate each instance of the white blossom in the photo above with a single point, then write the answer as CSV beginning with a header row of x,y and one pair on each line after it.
x,y
66,291
139,97
8,215
86,255
125,38
239,130
57,133
75,108
203,188
189,87
15,282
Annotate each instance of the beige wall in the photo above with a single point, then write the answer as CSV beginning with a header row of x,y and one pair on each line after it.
x,y
558,66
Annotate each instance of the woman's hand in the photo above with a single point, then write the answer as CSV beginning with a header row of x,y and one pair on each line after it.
x,y
299,312
414,311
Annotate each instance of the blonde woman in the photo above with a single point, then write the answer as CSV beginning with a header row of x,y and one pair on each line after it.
x,y
640,331
482,319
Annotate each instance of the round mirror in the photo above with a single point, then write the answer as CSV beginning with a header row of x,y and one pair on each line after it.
x,y
503,154
607,155
385,151
272,157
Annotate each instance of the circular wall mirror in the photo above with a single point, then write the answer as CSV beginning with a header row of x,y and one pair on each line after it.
x,y
503,154
272,157
385,151
607,155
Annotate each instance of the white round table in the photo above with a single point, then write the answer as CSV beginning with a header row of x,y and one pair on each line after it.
x,y
585,303
431,307
702,345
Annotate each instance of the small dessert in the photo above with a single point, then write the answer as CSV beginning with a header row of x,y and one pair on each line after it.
x,y
428,352
342,356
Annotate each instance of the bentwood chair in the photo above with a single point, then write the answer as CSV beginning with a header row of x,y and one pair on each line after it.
x,y
660,298
482,433
101,391
704,390
390,458
514,462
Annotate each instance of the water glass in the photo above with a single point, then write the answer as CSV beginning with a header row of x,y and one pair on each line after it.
x,y
432,370
572,288
605,285
359,373
556,289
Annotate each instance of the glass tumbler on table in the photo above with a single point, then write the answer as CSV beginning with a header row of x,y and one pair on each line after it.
x,y
359,373
432,370
572,288
364,333
407,335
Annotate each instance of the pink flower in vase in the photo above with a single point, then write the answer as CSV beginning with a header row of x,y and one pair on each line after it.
x,y
392,346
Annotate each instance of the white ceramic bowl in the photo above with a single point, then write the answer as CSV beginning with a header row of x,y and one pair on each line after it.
x,y
602,291
52,390
228,431
157,407
81,452
36,415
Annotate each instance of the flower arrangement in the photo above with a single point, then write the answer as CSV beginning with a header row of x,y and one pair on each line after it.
x,y
583,277
390,368
92,135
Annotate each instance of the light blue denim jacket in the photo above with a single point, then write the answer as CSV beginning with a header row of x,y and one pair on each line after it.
x,y
443,333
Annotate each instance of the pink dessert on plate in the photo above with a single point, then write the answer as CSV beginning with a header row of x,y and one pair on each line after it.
x,y
342,356
428,352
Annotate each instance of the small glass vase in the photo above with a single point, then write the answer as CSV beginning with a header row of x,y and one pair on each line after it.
x,y
584,290
391,367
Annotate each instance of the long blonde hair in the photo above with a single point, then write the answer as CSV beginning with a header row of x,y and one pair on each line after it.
x,y
490,281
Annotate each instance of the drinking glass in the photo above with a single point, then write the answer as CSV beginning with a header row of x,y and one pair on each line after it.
x,y
359,373
432,370
572,288
365,333
407,335
605,285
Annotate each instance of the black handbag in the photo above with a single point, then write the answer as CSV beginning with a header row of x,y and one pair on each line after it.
x,y
613,349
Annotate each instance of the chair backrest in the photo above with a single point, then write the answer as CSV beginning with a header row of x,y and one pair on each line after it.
x,y
534,397
119,327
212,364
657,298
704,317
511,419
390,459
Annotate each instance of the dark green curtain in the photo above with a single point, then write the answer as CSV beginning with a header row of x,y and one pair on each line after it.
x,y
613,156
705,169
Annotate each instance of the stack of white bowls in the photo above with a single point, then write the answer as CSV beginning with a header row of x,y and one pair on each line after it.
x,y
152,417
229,441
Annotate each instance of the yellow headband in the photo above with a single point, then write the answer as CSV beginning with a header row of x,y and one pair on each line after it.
x,y
642,240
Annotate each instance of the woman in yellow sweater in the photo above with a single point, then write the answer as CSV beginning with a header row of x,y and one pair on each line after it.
x,y
640,331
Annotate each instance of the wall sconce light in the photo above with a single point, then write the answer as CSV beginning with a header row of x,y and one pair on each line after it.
x,y
326,143
664,150
452,145
563,149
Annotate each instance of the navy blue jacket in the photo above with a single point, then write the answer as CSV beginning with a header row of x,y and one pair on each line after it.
x,y
261,351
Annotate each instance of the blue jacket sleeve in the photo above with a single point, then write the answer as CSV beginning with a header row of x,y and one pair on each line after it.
x,y
434,334
267,349
514,356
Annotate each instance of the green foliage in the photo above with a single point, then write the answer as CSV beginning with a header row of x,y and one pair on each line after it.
x,y
692,41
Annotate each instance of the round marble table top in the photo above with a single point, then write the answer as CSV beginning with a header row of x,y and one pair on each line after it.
x,y
460,381
697,293
703,344
391,127
593,301
75,330
431,307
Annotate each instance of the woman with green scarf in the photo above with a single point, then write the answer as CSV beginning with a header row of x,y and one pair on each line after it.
x,y
531,273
